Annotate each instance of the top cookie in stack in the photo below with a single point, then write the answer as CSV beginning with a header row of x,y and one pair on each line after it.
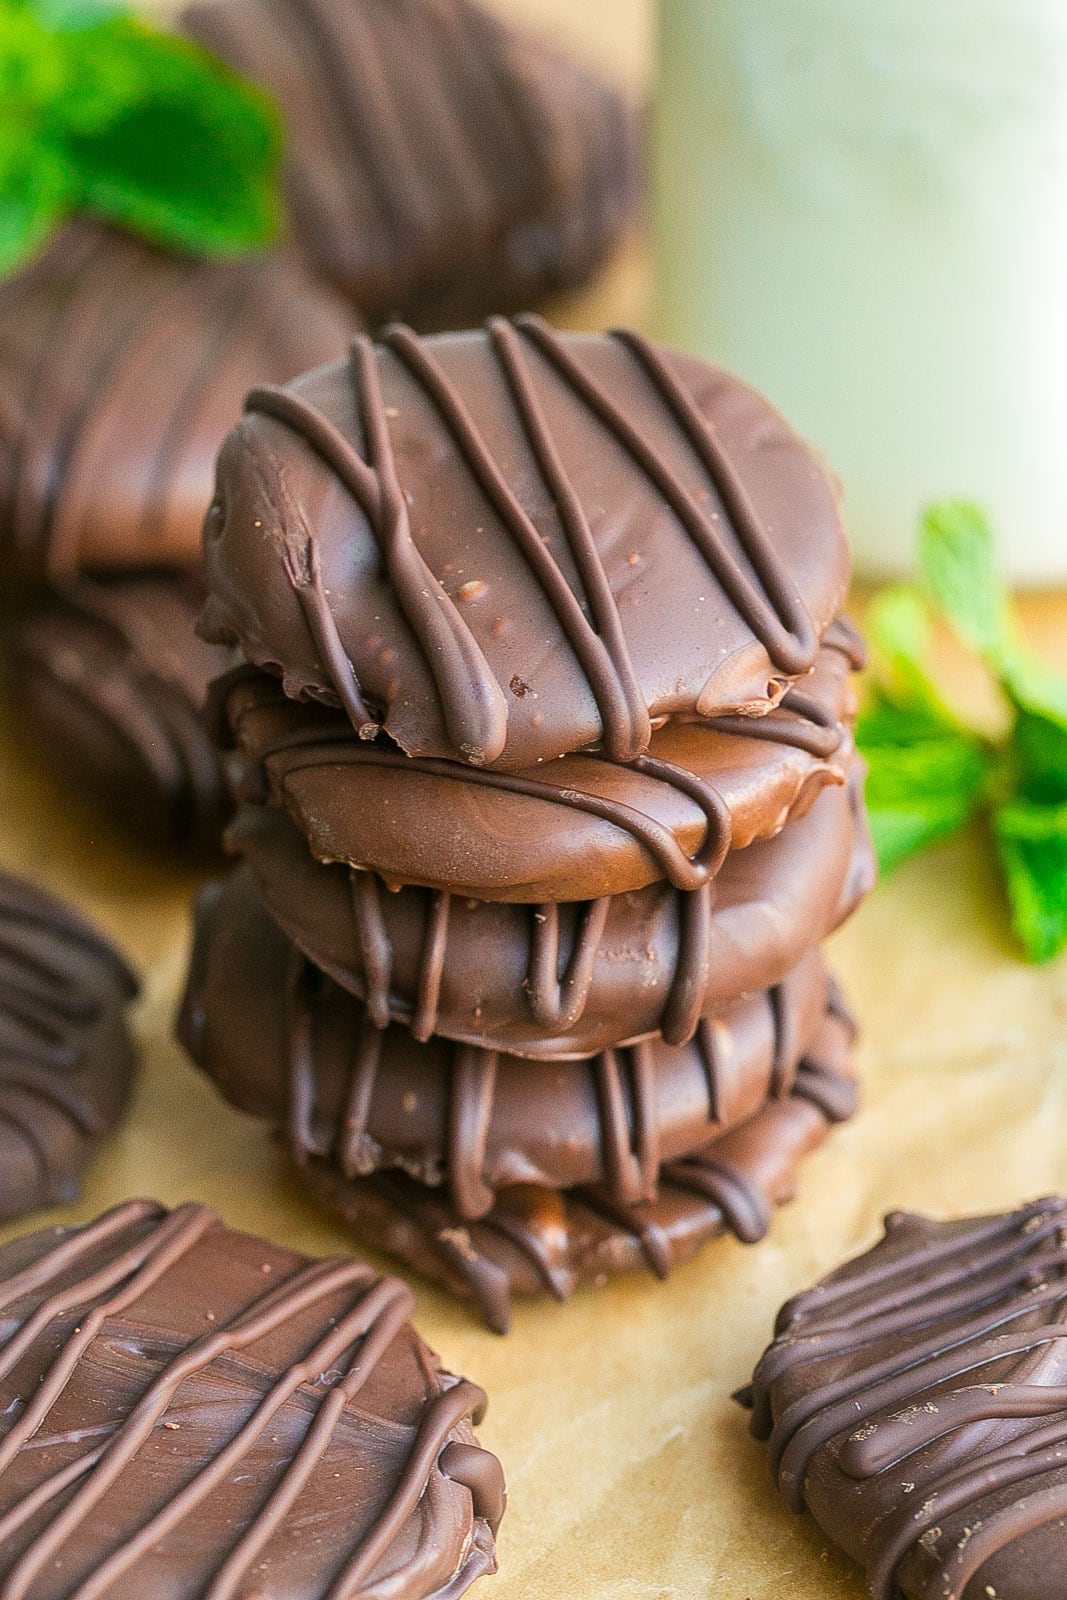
x,y
543,741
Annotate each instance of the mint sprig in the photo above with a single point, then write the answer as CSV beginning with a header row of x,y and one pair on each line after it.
x,y
930,772
101,112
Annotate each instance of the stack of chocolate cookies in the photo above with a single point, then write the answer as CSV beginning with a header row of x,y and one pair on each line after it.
x,y
542,749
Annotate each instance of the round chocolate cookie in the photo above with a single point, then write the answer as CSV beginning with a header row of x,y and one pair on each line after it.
x,y
537,1240
915,1400
284,1042
592,200
568,980
110,682
440,164
66,1058
507,545
191,1413
121,368
579,829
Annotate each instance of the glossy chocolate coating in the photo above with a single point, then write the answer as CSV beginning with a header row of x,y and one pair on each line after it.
x,y
567,981
916,1402
282,1041
121,368
538,1240
592,201
191,1413
578,829
506,545
111,680
66,1058
440,164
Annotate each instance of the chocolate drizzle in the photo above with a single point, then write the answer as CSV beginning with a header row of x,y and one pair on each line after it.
x,y
108,455
626,1085
597,641
38,997
684,872
595,828
539,1240
472,703
121,1258
554,1000
916,1352
684,954
811,726
377,952
776,614
559,1001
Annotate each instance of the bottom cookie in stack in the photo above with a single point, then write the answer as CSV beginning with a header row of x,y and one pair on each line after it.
x,y
498,1175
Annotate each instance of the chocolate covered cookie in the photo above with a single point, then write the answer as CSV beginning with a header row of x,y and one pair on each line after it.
x,y
193,1413
579,829
537,1240
916,1402
66,1058
284,1042
509,545
440,164
566,980
121,368
110,682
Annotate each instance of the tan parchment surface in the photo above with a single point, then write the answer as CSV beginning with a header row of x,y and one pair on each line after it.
x,y
630,1470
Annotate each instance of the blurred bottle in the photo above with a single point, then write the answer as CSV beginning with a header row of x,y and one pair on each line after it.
x,y
861,206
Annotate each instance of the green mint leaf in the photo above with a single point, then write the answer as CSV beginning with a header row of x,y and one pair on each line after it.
x,y
1039,737
925,781
59,14
892,717
55,79
928,774
958,558
102,112
34,194
1032,847
957,555
1040,750
191,159
899,629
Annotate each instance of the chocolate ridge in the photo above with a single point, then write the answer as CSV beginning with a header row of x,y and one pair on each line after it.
x,y
538,1240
